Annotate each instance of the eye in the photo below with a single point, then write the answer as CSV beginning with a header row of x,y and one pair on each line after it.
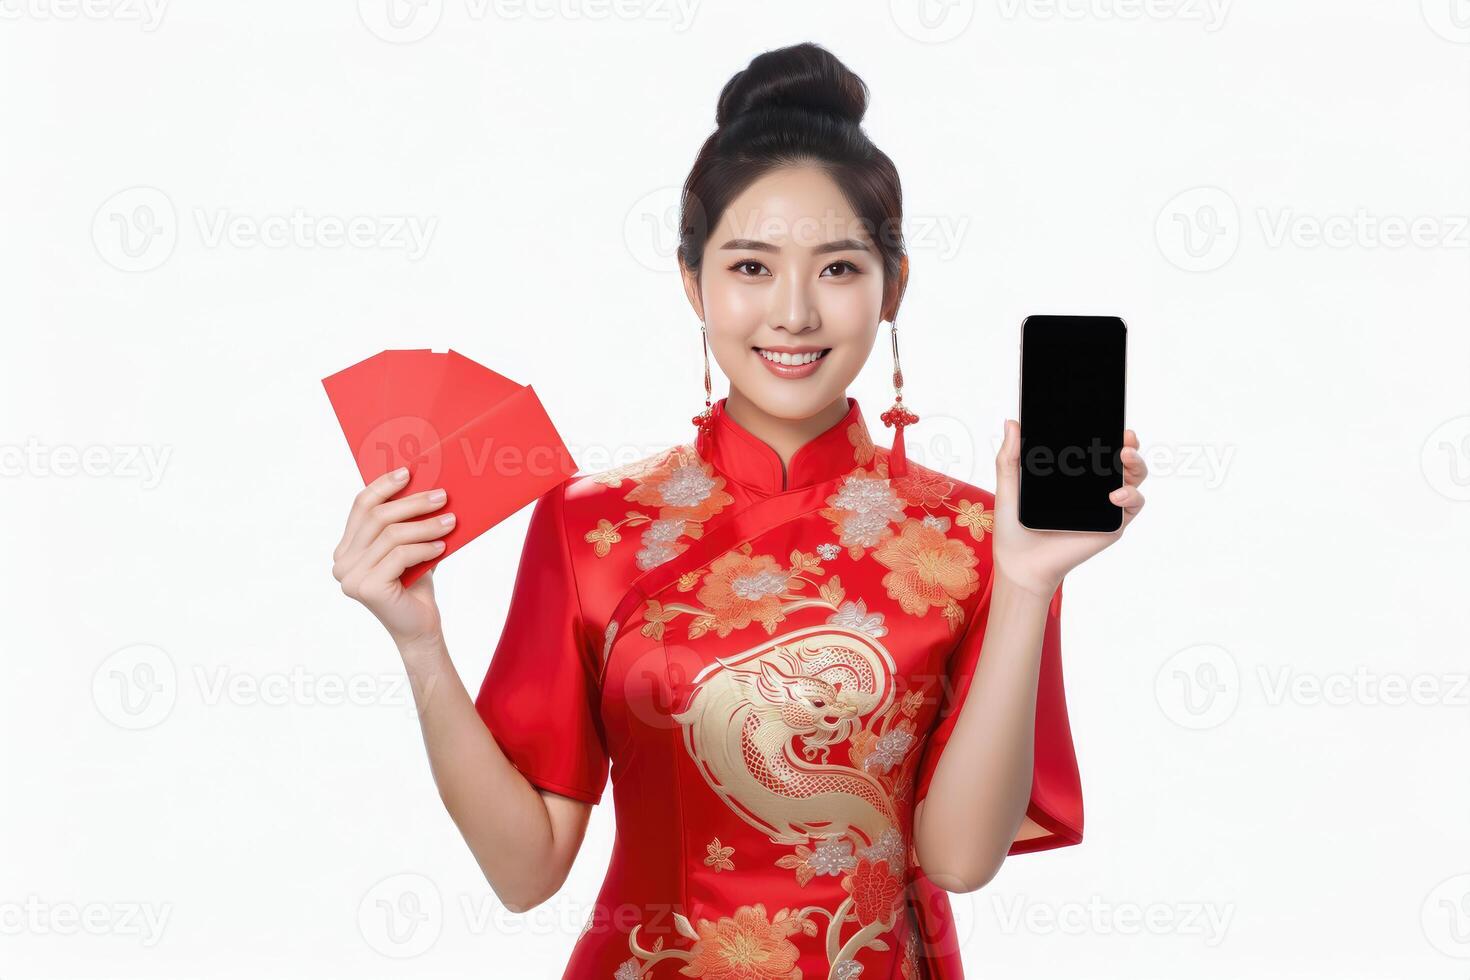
x,y
742,266
840,265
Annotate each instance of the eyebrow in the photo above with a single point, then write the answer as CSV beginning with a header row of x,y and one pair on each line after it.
x,y
755,245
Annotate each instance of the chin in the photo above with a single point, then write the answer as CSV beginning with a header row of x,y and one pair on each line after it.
x,y
793,399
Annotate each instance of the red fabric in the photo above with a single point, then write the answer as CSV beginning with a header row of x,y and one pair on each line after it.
x,y
762,657
539,696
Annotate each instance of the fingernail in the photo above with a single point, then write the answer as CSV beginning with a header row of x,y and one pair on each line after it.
x,y
447,520
436,496
439,545
400,473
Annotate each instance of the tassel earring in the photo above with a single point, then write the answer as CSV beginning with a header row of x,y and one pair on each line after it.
x,y
705,419
897,416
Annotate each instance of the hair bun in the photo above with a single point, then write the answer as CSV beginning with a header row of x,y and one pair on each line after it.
x,y
803,76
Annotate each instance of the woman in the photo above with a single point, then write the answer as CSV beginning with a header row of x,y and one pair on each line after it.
x,y
770,632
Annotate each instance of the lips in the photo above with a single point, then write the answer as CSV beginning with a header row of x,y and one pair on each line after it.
x,y
792,364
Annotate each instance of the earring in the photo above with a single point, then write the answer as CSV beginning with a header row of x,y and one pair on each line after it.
x,y
705,419
899,415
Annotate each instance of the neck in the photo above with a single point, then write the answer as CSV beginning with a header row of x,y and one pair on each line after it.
x,y
783,435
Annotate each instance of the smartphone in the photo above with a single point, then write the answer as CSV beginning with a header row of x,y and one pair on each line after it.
x,y
1072,384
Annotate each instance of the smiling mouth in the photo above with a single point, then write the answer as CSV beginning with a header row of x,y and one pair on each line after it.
x,y
792,360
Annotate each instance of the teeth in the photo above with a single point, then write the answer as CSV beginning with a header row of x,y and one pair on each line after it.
x,y
792,359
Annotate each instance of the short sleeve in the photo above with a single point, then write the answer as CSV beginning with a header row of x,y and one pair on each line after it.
x,y
540,695
1054,814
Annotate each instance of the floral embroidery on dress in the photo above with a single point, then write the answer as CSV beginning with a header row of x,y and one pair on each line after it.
x,y
862,511
928,569
743,946
975,517
684,489
718,857
740,588
855,615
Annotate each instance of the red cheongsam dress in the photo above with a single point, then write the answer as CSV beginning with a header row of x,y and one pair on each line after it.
x,y
771,665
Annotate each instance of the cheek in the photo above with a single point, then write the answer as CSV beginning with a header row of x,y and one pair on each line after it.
x,y
731,309
852,308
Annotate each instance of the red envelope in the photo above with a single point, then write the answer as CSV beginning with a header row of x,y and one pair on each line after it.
x,y
456,424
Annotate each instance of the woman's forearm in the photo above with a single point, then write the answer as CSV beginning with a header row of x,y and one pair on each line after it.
x,y
979,790
502,817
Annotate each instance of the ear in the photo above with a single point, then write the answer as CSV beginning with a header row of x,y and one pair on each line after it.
x,y
893,293
691,288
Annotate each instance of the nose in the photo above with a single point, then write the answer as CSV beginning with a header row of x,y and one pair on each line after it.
x,y
793,306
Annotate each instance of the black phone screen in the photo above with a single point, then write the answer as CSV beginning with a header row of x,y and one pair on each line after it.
x,y
1072,381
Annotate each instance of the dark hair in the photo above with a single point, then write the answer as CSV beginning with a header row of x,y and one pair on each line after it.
x,y
794,105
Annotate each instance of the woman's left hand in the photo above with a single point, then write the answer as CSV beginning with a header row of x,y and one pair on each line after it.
x,y
1037,560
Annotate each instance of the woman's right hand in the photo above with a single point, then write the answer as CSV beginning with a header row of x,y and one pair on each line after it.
x,y
381,540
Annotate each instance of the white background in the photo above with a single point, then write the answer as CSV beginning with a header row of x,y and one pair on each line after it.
x,y
1266,676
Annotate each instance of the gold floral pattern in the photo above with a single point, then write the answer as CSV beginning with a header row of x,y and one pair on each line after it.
x,y
718,857
928,569
923,487
683,489
743,946
740,588
975,517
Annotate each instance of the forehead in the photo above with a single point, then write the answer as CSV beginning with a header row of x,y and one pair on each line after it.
x,y
800,206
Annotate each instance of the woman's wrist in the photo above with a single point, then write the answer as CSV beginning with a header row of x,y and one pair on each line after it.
x,y
424,648
1024,588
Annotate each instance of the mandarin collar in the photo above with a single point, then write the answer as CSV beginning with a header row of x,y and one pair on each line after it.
x,y
744,458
